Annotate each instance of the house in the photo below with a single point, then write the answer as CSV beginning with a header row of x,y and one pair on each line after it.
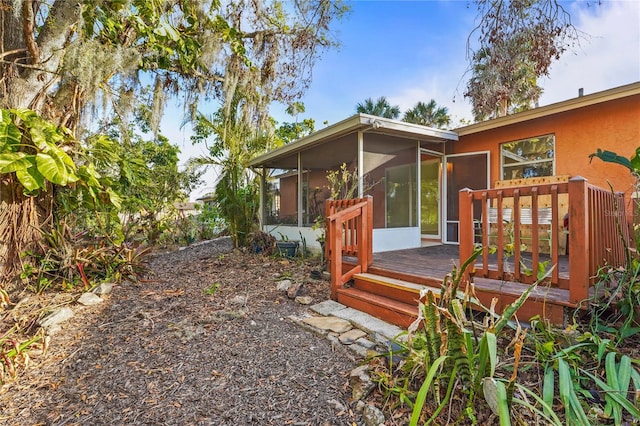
x,y
521,164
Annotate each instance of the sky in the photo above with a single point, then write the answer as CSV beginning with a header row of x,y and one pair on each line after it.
x,y
411,51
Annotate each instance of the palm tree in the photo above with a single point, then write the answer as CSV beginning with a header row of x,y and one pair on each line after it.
x,y
428,114
381,108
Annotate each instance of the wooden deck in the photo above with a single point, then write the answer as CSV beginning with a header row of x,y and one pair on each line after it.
x,y
407,271
388,285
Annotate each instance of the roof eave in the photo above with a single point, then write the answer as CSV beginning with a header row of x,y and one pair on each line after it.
x,y
556,108
355,123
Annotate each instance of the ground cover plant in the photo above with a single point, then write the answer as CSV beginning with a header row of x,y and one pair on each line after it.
x,y
455,367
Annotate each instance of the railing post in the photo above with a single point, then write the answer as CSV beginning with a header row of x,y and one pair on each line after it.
x,y
465,227
579,254
334,241
369,233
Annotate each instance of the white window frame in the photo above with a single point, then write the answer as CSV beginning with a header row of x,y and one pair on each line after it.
x,y
527,163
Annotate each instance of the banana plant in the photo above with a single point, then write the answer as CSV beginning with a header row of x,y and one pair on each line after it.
x,y
632,163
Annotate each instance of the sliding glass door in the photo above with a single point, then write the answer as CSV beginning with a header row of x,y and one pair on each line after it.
x,y
430,192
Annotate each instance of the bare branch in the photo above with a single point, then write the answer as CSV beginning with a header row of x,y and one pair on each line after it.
x,y
28,24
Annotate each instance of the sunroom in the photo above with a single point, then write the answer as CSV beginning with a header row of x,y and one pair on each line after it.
x,y
403,166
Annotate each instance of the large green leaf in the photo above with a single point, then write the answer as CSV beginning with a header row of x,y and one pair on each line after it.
x,y
31,179
635,160
89,175
14,161
9,133
54,169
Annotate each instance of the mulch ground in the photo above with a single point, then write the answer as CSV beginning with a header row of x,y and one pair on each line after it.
x,y
203,340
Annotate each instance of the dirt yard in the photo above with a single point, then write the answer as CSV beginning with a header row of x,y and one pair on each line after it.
x,y
203,340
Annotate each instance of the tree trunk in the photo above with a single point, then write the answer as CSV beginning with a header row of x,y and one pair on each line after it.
x,y
21,218
30,76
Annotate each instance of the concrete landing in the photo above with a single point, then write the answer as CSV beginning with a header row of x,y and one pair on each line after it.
x,y
357,331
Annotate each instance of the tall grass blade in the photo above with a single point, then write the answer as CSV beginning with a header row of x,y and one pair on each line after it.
x,y
547,414
424,389
573,410
615,395
503,405
548,389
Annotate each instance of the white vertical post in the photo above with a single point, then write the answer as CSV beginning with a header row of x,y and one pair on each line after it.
x,y
300,188
360,164
263,197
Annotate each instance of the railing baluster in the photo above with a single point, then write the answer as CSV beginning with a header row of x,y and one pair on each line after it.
x,y
535,232
517,233
500,243
555,237
485,234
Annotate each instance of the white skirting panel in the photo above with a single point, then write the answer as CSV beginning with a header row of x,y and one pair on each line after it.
x,y
387,239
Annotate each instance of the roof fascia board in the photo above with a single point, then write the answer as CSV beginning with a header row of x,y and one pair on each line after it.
x,y
559,107
414,129
345,126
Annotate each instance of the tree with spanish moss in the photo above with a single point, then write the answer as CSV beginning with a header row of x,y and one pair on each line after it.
x,y
65,60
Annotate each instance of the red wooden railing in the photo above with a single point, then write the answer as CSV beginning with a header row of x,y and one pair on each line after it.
x,y
593,240
349,233
608,224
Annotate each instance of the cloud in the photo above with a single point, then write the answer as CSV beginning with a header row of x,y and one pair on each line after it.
x,y
607,58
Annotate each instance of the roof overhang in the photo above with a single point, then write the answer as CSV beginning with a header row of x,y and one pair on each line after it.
x,y
559,107
357,123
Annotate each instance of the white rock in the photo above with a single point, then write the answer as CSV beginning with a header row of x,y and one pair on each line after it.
x,y
104,288
284,285
51,323
372,416
304,300
89,299
238,300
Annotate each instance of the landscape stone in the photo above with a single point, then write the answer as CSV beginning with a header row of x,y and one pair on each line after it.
x,y
337,405
361,383
366,343
351,336
372,416
304,300
89,299
284,285
334,324
238,300
51,323
292,291
104,288
358,350
369,323
328,307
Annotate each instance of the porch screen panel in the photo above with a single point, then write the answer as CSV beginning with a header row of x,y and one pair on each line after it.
x,y
390,176
281,206
463,171
320,161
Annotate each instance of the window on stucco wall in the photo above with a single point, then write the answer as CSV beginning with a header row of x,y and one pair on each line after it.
x,y
527,158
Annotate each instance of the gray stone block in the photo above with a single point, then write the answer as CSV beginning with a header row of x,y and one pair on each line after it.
x,y
328,307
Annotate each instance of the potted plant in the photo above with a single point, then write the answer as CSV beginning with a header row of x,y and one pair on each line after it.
x,y
286,247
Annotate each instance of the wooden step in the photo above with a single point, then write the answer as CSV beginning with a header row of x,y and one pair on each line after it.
x,y
391,288
393,311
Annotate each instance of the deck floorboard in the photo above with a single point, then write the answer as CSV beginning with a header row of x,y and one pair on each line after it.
x,y
437,261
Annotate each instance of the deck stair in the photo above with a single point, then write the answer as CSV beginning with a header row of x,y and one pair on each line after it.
x,y
390,299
